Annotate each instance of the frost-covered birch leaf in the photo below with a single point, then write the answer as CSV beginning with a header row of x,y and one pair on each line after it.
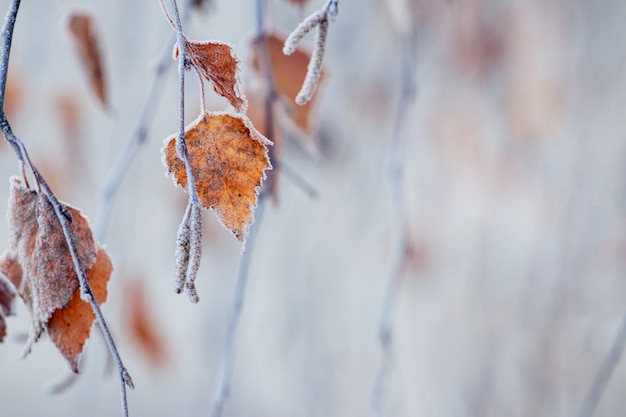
x,y
38,262
70,326
7,301
289,71
228,159
217,63
82,30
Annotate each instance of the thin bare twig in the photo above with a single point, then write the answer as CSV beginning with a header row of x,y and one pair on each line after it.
x,y
603,376
402,245
228,351
60,210
227,360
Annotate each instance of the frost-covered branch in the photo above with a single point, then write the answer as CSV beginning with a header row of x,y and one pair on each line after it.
x,y
60,210
320,19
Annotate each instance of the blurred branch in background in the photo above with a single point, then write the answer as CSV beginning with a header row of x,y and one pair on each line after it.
x,y
402,243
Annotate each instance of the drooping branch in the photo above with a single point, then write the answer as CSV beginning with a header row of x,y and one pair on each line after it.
x,y
401,248
61,212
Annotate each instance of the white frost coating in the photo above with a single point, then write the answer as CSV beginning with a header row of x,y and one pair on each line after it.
x,y
294,38
314,70
195,251
183,242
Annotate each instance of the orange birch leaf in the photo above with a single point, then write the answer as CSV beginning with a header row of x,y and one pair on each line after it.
x,y
228,159
217,63
70,326
83,33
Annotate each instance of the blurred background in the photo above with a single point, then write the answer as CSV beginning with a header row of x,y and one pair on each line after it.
x,y
514,202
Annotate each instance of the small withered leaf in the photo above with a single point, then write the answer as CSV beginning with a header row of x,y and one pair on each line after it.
x,y
7,301
70,326
217,63
82,30
38,262
228,159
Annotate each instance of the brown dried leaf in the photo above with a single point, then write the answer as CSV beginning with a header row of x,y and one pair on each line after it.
x,y
289,71
228,158
7,299
38,262
69,327
142,324
217,63
82,30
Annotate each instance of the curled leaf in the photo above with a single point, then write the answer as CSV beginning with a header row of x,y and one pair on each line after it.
x,y
83,33
228,159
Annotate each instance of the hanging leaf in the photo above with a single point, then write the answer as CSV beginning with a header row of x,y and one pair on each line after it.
x,y
38,262
228,159
82,30
217,63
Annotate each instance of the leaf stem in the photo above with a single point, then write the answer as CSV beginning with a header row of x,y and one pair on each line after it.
x,y
60,210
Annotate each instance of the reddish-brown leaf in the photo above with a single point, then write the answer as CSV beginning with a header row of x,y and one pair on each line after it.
x,y
38,262
216,62
82,30
288,72
7,299
141,323
70,326
228,158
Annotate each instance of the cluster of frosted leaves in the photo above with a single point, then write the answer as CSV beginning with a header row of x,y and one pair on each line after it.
x,y
228,156
39,266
